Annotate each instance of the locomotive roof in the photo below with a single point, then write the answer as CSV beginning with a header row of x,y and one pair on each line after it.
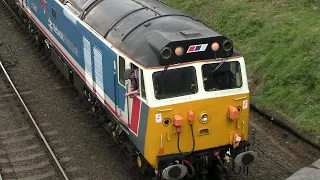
x,y
142,28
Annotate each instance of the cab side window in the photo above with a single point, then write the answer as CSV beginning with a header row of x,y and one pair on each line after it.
x,y
121,70
142,91
140,79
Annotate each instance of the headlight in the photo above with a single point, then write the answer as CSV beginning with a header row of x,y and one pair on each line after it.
x,y
204,118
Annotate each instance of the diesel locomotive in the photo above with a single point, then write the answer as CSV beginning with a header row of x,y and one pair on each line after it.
x,y
176,90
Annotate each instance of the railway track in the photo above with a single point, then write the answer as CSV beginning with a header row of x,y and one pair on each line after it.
x,y
23,147
25,152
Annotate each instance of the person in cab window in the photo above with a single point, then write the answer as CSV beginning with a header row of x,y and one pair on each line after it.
x,y
134,77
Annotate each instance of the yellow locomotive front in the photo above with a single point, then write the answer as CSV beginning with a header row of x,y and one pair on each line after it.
x,y
198,118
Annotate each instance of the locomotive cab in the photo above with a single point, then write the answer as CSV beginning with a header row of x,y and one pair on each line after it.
x,y
198,113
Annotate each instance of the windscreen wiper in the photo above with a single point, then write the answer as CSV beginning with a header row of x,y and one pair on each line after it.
x,y
161,77
215,69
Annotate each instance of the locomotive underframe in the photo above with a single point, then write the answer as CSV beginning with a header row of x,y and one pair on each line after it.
x,y
206,163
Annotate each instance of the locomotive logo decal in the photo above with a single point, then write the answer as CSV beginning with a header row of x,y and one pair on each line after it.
x,y
63,37
50,24
44,5
197,48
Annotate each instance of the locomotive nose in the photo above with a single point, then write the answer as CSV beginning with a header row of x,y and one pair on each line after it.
x,y
174,172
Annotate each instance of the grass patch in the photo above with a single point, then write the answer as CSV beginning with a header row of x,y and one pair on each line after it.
x,y
280,40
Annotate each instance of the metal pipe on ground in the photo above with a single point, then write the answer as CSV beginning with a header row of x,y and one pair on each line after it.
x,y
282,122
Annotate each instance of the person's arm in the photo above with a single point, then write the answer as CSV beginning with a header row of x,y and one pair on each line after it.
x,y
132,92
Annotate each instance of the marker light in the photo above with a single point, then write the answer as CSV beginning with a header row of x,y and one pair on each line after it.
x,y
178,51
204,118
215,46
233,113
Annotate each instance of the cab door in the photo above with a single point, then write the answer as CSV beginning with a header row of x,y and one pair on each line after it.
x,y
121,103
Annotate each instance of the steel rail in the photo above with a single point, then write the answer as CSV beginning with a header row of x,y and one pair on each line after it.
x,y
11,54
35,124
13,13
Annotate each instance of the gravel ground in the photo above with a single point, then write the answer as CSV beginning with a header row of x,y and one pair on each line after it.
x,y
280,153
87,150
22,154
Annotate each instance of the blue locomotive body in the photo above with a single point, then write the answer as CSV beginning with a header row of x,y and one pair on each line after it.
x,y
93,59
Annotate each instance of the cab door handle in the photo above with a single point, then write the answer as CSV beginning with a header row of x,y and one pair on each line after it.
x,y
237,99
163,110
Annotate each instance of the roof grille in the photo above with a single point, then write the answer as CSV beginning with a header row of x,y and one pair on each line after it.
x,y
190,33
